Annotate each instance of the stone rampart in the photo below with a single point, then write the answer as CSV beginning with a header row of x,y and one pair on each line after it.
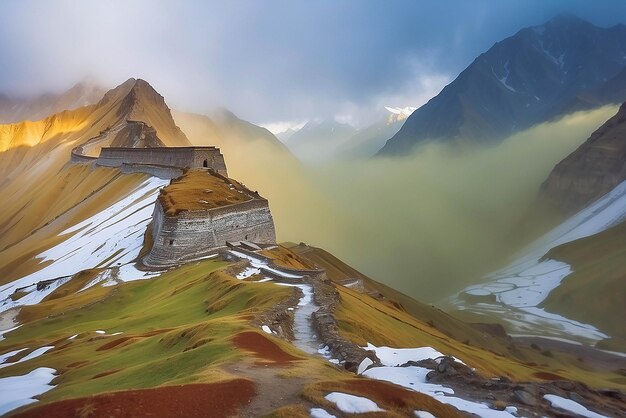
x,y
174,237
182,157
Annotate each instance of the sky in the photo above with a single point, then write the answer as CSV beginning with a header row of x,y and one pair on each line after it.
x,y
271,62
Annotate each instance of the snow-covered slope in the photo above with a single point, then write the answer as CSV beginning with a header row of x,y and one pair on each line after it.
x,y
110,238
515,293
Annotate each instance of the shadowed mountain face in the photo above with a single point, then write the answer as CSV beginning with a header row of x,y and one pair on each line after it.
x,y
528,78
591,171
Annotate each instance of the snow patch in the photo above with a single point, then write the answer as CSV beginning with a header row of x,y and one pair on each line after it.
x,y
504,79
266,329
6,331
571,406
352,404
390,356
414,378
112,237
34,354
320,413
364,365
248,272
19,390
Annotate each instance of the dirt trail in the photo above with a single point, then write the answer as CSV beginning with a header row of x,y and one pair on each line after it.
x,y
273,388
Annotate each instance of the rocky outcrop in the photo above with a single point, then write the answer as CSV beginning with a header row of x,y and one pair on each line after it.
x,y
591,171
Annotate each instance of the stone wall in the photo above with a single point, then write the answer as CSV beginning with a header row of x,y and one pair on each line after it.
x,y
160,171
183,157
175,237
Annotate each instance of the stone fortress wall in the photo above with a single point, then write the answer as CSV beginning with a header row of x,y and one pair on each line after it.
x,y
188,233
198,233
155,159
187,157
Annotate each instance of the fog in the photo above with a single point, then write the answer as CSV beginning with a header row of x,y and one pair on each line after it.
x,y
427,224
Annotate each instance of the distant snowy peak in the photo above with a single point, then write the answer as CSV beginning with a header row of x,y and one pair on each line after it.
x,y
399,113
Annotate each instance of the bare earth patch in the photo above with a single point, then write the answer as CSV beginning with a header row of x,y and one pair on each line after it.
x,y
262,347
217,400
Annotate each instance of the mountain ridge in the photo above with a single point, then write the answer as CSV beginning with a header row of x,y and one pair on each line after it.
x,y
522,80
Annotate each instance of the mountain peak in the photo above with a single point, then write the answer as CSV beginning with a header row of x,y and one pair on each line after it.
x,y
520,81
136,100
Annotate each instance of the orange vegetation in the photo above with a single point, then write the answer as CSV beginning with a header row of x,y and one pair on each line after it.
x,y
284,257
220,399
200,190
262,347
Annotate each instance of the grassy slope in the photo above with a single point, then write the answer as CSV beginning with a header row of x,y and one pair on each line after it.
x,y
412,324
182,328
176,329
594,292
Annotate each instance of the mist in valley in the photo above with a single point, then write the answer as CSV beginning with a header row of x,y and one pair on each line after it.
x,y
427,224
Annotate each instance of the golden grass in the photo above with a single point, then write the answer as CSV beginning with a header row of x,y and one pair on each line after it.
x,y
594,292
363,319
284,257
199,190
289,411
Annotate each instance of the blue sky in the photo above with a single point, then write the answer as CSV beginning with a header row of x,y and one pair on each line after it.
x,y
268,61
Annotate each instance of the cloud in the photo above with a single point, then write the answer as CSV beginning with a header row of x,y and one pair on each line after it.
x,y
271,61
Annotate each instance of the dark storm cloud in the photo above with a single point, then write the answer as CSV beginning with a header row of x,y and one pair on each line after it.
x,y
268,61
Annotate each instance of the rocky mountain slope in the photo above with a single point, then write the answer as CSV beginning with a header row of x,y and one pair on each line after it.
x,y
591,171
526,79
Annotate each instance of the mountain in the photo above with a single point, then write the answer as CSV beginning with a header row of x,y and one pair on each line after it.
x,y
591,171
284,136
367,141
528,78
14,109
228,132
318,141
38,185
284,329
567,283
